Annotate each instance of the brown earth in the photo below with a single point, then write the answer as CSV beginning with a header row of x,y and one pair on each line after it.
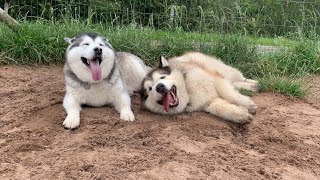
x,y
283,141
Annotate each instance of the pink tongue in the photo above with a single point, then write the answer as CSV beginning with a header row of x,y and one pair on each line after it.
x,y
168,98
95,70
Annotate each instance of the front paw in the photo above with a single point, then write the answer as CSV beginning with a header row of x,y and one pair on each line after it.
x,y
71,122
127,115
252,108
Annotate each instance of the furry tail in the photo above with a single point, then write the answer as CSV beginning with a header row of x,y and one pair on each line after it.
x,y
133,70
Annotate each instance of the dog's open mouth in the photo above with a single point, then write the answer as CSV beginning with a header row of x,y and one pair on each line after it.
x,y
170,99
94,66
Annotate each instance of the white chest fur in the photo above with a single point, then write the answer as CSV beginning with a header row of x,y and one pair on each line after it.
x,y
98,94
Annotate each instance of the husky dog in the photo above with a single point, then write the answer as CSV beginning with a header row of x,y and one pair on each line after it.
x,y
96,75
198,82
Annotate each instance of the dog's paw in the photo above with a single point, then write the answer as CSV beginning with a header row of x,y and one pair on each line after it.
x,y
252,108
244,118
71,122
127,115
255,87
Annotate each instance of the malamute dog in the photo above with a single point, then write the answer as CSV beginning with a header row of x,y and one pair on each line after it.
x,y
96,75
198,82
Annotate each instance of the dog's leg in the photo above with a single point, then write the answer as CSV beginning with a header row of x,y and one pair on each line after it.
x,y
227,92
254,87
73,109
240,82
228,111
123,106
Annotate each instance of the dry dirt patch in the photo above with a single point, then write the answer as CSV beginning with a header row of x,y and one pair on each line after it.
x,y
283,141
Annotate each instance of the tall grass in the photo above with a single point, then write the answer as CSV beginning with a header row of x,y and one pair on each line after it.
x,y
267,18
41,42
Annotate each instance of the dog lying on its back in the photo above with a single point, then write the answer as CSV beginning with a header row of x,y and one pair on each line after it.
x,y
197,82
96,75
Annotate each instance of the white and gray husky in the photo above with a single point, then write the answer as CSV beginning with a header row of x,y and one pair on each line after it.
x,y
96,75
198,82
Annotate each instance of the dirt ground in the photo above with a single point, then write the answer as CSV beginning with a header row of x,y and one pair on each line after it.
x,y
282,142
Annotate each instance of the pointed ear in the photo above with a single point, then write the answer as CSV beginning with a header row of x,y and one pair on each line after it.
x,y
106,42
105,39
163,62
68,40
109,45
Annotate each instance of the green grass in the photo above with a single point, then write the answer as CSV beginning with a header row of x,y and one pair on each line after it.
x,y
268,18
41,42
284,85
247,92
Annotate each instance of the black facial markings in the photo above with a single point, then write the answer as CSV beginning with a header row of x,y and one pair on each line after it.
x,y
144,95
78,39
143,92
165,70
76,44
92,35
85,61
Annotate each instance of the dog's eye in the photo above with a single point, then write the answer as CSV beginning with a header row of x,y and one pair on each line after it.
x,y
101,45
162,77
86,44
150,88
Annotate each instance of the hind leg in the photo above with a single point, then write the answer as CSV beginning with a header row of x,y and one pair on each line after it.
x,y
228,111
240,82
254,87
227,92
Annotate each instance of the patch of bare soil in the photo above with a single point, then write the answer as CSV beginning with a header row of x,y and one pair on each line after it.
x,y
283,141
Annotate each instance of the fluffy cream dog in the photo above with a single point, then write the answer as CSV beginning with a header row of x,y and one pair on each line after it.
x,y
198,82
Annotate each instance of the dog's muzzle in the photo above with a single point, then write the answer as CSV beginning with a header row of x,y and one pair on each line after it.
x,y
97,51
161,88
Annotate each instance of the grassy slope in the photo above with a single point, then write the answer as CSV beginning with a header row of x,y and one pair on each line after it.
x,y
42,43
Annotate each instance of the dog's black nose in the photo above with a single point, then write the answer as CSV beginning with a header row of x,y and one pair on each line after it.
x,y
161,88
97,50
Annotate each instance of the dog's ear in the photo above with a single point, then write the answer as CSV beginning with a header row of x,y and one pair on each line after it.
x,y
106,42
163,62
68,40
